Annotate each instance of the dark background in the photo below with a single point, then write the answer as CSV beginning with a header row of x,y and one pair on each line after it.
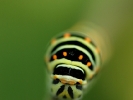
x,y
26,26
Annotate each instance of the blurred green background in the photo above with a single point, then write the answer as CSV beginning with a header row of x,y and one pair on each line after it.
x,y
26,26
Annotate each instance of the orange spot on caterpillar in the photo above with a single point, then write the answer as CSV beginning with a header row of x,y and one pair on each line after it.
x,y
88,64
80,57
66,35
54,57
64,53
87,39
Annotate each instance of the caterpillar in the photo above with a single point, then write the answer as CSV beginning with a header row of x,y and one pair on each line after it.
x,y
72,60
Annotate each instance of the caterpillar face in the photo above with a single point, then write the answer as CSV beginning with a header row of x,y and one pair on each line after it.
x,y
66,91
72,60
67,81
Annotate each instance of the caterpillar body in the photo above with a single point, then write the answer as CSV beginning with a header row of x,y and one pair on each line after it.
x,y
72,60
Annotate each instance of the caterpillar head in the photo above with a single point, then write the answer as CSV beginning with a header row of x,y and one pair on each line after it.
x,y
68,82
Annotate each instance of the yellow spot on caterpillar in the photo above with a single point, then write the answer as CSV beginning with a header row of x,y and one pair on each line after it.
x,y
97,50
80,57
97,69
80,81
46,59
88,64
55,77
72,82
64,53
67,82
87,39
91,76
54,57
53,41
63,81
66,35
